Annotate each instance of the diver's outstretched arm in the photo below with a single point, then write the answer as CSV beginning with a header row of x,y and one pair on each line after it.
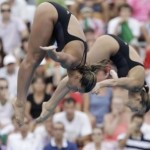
x,y
65,59
125,82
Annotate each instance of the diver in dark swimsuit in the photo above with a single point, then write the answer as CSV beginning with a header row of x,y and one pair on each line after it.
x,y
129,68
52,24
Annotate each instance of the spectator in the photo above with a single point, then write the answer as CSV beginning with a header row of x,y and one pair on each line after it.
x,y
134,138
77,124
35,100
113,6
12,29
58,141
6,110
115,123
89,21
22,140
77,96
97,138
100,8
10,72
90,37
21,51
99,105
19,8
146,29
126,27
43,134
2,53
140,9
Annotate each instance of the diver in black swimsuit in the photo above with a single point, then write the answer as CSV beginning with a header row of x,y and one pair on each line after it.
x,y
129,68
52,24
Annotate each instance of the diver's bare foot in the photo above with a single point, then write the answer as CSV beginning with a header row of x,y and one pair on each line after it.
x,y
19,112
46,113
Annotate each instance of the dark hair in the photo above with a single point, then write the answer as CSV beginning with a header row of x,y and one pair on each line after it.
x,y
69,100
38,77
125,6
24,39
88,80
137,115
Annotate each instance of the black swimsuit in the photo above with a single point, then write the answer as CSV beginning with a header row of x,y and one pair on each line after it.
x,y
121,59
60,33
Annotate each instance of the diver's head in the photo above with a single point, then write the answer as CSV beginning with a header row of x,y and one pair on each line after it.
x,y
84,78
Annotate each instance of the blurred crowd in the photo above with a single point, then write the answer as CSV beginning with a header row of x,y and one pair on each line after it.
x,y
81,121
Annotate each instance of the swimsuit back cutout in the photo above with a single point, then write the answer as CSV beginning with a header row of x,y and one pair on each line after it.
x,y
60,33
122,59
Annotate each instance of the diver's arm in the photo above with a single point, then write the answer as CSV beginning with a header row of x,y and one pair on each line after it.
x,y
61,57
58,95
125,82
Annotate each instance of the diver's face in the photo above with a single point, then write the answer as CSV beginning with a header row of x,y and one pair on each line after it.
x,y
74,81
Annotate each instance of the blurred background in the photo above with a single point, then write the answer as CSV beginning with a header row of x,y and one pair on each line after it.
x,y
81,121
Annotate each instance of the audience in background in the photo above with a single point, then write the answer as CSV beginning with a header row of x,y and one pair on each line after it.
x,y
12,29
116,122
125,26
77,124
58,141
97,138
21,140
10,72
140,9
19,8
89,21
21,51
99,105
6,110
90,37
80,115
134,138
36,98
42,134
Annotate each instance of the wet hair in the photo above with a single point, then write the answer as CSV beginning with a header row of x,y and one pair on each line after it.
x,y
88,80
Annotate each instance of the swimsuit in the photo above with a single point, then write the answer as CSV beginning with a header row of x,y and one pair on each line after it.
x,y
60,33
122,59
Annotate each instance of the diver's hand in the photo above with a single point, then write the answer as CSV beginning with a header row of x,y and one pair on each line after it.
x,y
46,113
113,74
96,89
51,51
48,48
